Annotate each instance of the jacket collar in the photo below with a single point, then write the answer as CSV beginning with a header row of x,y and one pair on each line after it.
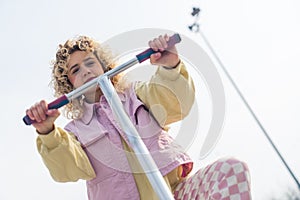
x,y
90,108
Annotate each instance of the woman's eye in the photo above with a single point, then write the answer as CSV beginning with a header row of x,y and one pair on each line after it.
x,y
74,71
90,64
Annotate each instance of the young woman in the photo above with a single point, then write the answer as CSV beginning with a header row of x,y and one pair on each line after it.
x,y
93,147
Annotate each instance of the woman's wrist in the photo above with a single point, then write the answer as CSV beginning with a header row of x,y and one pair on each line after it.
x,y
174,66
45,131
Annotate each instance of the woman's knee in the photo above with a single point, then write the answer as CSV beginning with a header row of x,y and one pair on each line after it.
x,y
232,166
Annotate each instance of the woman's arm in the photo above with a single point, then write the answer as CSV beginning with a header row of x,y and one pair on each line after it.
x,y
64,156
169,94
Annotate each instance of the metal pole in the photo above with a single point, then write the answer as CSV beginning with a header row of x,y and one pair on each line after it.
x,y
155,177
197,30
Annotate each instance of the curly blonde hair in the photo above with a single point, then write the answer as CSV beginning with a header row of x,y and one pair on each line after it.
x,y
60,81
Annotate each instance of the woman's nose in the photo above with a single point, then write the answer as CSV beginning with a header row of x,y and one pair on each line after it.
x,y
86,71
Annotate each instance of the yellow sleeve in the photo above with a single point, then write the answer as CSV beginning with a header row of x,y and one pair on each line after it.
x,y
64,156
169,95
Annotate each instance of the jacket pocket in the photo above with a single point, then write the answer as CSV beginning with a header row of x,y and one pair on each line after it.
x,y
107,158
101,156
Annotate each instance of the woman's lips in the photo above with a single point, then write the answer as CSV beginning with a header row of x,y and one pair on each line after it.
x,y
88,80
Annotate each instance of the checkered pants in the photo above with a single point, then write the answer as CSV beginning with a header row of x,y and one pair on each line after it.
x,y
226,179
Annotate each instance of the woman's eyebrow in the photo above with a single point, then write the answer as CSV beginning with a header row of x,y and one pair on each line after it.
x,y
87,59
73,67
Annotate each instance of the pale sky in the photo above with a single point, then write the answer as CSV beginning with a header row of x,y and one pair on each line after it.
x,y
257,41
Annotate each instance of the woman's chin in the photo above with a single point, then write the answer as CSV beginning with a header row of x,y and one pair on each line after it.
x,y
93,94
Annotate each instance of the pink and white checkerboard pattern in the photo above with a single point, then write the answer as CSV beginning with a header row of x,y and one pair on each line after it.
x,y
225,179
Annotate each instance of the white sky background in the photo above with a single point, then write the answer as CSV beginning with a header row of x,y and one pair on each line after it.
x,y
258,41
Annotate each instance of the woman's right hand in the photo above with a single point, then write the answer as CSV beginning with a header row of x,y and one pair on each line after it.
x,y
44,118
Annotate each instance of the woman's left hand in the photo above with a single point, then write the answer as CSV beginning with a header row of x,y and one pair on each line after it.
x,y
167,56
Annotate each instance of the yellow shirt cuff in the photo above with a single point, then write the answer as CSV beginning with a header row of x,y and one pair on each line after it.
x,y
169,73
52,139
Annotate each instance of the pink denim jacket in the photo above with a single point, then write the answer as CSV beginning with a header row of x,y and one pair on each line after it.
x,y
103,146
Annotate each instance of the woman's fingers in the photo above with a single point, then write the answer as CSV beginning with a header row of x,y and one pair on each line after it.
x,y
163,41
165,56
38,111
30,114
53,113
154,57
160,43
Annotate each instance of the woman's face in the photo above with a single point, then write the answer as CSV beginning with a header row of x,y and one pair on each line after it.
x,y
82,68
